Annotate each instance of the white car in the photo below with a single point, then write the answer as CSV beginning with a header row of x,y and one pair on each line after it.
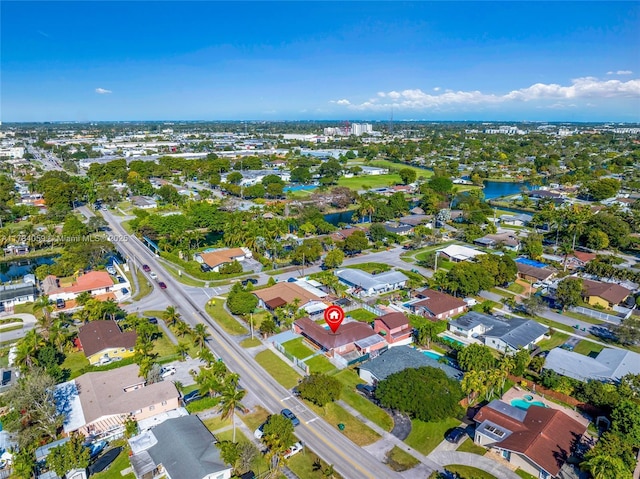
x,y
295,449
152,275
166,372
538,285
259,432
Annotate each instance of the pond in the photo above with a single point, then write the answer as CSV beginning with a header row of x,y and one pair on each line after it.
x,y
16,269
496,189
342,217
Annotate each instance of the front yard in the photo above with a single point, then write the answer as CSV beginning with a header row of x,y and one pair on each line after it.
x,y
425,436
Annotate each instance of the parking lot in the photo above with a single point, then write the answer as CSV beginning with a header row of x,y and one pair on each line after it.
x,y
182,374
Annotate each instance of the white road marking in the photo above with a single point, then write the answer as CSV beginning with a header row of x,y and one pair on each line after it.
x,y
284,399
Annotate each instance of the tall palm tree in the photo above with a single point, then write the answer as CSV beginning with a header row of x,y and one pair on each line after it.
x,y
182,349
230,400
27,349
200,335
171,315
182,328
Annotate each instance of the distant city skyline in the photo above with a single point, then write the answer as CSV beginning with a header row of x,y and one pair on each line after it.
x,y
367,61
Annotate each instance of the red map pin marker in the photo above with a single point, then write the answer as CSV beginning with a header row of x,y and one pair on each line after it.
x,y
334,315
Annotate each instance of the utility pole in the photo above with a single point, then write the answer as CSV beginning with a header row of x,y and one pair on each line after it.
x,y
251,325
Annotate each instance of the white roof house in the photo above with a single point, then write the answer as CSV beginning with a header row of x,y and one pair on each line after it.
x,y
368,284
609,365
457,253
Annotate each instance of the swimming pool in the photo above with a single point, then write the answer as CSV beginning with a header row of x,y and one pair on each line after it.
x,y
299,188
531,262
432,355
453,341
524,404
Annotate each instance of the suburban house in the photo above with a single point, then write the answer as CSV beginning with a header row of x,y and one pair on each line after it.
x,y
97,404
16,249
458,253
606,295
506,239
96,283
19,293
104,341
398,359
436,304
538,440
366,284
416,219
506,335
394,327
610,365
397,228
310,298
516,220
217,258
144,202
533,273
354,337
178,448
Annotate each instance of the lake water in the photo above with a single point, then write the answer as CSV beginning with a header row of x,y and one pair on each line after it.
x,y
495,189
16,269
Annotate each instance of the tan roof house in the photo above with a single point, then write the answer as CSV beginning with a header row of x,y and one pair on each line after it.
x,y
216,259
436,304
606,295
104,341
97,404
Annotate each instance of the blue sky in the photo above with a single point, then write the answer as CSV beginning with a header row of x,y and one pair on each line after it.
x,y
557,61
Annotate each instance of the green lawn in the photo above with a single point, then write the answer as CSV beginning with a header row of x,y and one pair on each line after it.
x,y
302,464
250,343
154,312
359,433
400,460
215,308
516,288
524,474
215,423
469,446
425,436
23,308
588,348
553,324
362,315
144,285
255,418
75,361
183,278
281,371
368,182
320,364
379,416
121,463
371,268
557,339
297,348
400,166
468,472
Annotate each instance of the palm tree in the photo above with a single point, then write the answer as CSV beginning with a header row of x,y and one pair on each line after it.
x,y
230,401
27,349
182,349
182,328
200,335
604,466
171,315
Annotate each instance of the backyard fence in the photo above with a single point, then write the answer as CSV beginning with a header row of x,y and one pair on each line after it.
x,y
296,362
592,313
357,305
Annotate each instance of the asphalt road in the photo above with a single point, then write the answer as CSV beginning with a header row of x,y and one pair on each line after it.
x,y
348,459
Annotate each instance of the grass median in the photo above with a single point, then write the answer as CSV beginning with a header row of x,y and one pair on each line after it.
x,y
356,431
278,369
215,308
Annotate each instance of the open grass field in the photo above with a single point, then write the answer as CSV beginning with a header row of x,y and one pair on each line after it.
x,y
469,446
425,436
354,429
399,166
400,460
557,339
371,268
362,315
320,364
216,310
379,416
468,472
358,183
281,371
588,348
297,348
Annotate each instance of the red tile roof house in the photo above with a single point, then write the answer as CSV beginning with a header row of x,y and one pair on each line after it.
x,y
394,327
538,440
437,305
94,282
351,337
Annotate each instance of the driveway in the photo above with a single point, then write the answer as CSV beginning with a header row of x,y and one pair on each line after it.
x,y
445,458
182,374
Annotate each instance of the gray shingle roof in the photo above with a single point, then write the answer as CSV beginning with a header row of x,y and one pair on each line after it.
x,y
399,358
11,291
609,365
516,332
186,449
369,281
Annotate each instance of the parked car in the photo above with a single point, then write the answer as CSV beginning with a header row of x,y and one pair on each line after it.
x,y
60,303
295,449
192,396
249,280
152,275
153,320
124,291
366,389
145,268
162,285
166,372
259,432
205,268
120,279
456,435
291,417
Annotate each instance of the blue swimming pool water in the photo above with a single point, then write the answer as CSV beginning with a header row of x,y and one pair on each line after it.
x,y
452,341
299,188
531,262
523,404
432,355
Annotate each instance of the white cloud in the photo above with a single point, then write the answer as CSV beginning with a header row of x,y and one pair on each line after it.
x,y
102,91
436,88
620,72
580,88
341,102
